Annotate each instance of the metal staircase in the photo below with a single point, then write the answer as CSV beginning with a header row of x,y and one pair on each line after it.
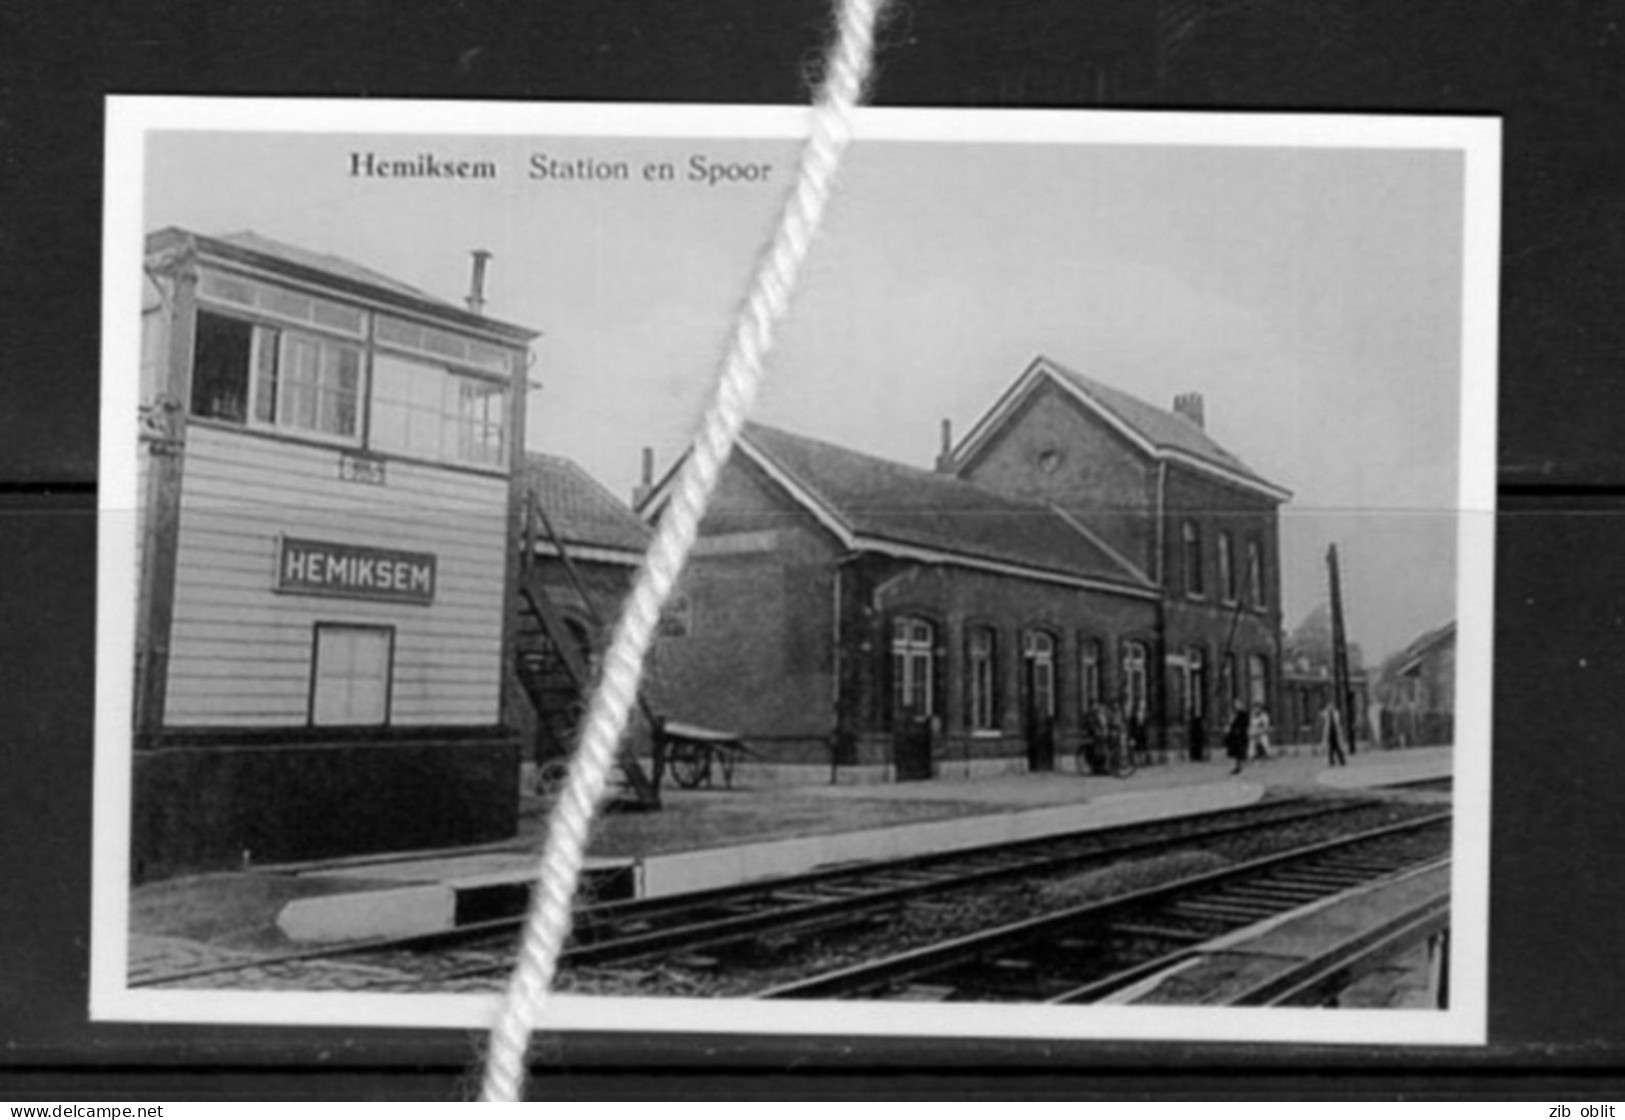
x,y
558,699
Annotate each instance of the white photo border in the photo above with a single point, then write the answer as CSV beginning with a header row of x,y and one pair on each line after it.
x,y
129,122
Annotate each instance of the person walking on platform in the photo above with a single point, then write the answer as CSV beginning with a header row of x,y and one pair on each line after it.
x,y
1258,733
1236,737
1331,735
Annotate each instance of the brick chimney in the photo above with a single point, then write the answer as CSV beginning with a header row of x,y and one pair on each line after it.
x,y
1189,405
945,457
647,479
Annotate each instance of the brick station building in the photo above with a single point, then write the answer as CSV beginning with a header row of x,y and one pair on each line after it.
x,y
860,619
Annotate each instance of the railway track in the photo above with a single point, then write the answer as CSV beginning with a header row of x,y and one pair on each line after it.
x,y
1320,981
1088,952
623,934
1424,785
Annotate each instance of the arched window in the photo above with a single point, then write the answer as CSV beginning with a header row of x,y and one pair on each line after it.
x,y
913,654
981,662
1038,651
1135,692
1090,684
1191,534
1227,683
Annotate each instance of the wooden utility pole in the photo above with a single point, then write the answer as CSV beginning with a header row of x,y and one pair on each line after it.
x,y
1342,686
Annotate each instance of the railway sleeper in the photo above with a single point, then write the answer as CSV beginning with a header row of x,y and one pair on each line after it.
x,y
1295,880
1003,982
906,882
1328,868
1331,868
1145,930
1213,910
1357,863
1322,883
924,993
1270,891
1246,905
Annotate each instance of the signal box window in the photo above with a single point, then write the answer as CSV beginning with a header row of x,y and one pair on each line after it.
x,y
428,411
249,373
222,360
351,676
319,383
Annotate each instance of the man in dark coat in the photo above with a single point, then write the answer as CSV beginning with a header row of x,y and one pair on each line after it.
x,y
1236,736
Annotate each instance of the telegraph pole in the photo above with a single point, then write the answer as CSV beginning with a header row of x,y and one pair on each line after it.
x,y
1342,686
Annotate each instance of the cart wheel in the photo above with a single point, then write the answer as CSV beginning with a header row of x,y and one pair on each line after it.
x,y
551,777
689,765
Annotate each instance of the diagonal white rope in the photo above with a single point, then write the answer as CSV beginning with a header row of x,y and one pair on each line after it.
x,y
548,924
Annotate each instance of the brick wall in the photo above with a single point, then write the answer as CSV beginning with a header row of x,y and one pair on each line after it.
x,y
1053,450
1208,620
758,656
954,600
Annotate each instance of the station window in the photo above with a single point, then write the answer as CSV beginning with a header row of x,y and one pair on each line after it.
x,y
913,665
1258,680
984,711
1135,691
429,411
1089,674
1255,574
1038,655
1227,567
1195,684
351,676
249,373
1191,536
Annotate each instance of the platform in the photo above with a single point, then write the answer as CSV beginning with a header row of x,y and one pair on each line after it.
x,y
448,890
719,838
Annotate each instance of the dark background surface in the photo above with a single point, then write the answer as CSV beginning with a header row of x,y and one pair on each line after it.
x,y
1553,71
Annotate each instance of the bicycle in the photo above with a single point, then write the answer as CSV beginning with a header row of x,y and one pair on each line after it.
x,y
1119,759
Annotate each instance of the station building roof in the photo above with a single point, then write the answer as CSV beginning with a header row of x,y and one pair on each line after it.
x,y
1411,658
1160,433
583,511
340,274
876,504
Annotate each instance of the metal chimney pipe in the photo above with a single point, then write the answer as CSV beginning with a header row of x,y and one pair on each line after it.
x,y
476,288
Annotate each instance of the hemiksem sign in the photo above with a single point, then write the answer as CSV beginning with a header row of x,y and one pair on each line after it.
x,y
348,571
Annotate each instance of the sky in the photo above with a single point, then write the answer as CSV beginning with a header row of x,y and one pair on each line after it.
x,y
1313,296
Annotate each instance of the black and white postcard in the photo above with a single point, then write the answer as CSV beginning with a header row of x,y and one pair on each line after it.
x,y
1089,636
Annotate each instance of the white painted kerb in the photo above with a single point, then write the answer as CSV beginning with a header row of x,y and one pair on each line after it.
x,y
397,912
